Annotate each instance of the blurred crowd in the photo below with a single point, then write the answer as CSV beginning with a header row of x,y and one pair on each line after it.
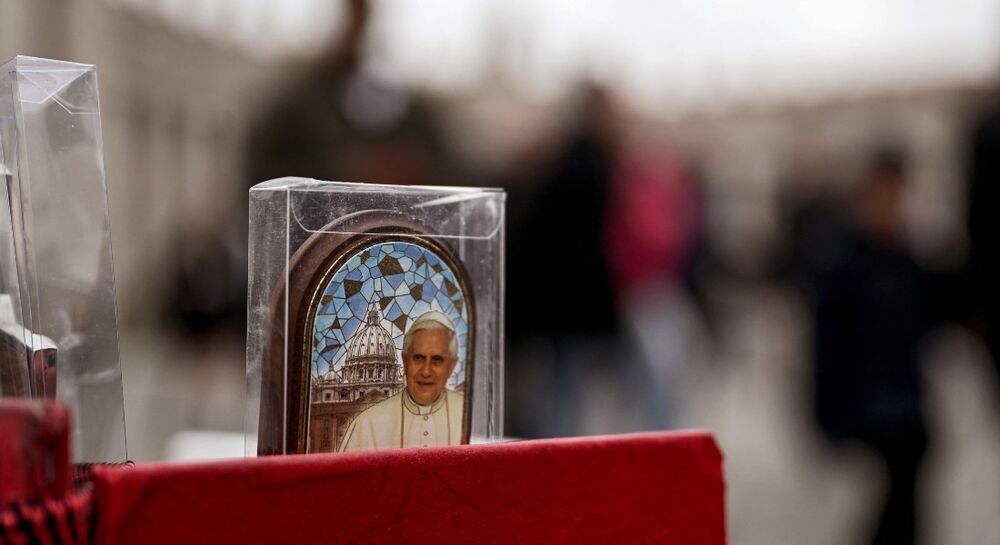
x,y
613,280
642,257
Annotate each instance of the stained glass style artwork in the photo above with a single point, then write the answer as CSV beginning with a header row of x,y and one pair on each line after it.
x,y
398,281
365,302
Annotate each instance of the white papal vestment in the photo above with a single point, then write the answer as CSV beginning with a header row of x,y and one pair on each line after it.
x,y
400,422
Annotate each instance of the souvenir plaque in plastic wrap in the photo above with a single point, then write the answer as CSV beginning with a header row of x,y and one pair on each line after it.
x,y
375,316
58,323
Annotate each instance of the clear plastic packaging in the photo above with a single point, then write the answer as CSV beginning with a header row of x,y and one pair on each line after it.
x,y
58,322
341,276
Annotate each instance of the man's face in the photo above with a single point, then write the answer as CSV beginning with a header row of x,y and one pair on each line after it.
x,y
428,365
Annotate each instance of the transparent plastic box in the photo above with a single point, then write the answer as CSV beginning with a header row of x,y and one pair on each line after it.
x,y
58,322
340,275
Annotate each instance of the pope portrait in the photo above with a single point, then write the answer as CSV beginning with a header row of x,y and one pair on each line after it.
x,y
424,413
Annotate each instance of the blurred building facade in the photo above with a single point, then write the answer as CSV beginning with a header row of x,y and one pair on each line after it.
x,y
177,105
754,159
174,109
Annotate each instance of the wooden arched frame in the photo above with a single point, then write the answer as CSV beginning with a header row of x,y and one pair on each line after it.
x,y
284,408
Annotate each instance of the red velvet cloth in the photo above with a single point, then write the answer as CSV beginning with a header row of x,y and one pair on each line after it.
x,y
645,488
34,451
37,502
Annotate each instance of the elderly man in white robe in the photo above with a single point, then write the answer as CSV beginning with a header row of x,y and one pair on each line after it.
x,y
425,413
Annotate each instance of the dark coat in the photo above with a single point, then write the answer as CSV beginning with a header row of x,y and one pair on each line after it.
x,y
871,317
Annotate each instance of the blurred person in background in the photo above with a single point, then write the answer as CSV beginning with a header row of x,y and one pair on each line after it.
x,y
653,226
563,322
871,316
208,297
337,122
983,226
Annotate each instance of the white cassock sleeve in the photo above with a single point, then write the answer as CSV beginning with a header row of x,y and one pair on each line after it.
x,y
360,435
377,427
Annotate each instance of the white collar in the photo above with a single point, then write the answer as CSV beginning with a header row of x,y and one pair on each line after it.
x,y
416,408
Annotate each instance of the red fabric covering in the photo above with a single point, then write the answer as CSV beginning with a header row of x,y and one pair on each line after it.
x,y
646,488
37,503
34,451
52,521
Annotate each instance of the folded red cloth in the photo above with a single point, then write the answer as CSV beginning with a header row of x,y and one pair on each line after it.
x,y
39,503
644,488
34,450
65,520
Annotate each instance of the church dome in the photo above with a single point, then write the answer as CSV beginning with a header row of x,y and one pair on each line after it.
x,y
371,342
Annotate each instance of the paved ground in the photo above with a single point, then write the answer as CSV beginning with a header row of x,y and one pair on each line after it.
x,y
786,486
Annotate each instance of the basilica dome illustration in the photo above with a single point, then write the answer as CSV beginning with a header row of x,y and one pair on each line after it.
x,y
371,355
370,373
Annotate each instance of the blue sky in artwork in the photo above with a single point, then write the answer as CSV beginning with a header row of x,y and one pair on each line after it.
x,y
342,316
